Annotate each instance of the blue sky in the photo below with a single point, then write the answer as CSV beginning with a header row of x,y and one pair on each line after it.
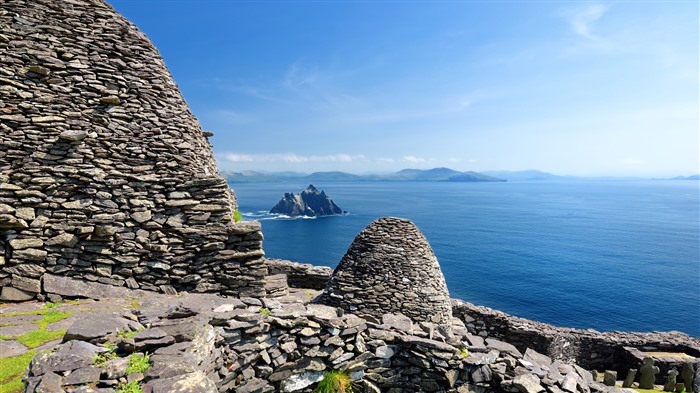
x,y
569,87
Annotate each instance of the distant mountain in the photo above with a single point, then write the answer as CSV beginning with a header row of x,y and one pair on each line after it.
x,y
435,174
256,177
692,177
332,176
524,175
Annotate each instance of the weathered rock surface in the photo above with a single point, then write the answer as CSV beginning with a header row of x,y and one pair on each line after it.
x,y
310,203
390,268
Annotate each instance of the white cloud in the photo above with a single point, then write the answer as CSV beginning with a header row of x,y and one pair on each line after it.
x,y
582,19
290,158
413,159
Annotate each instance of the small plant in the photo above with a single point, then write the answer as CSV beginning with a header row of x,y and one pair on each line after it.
x,y
335,381
131,387
309,295
237,216
463,352
127,334
101,358
138,363
265,311
49,305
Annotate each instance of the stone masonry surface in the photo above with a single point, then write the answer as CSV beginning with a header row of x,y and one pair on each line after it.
x,y
390,268
105,174
206,343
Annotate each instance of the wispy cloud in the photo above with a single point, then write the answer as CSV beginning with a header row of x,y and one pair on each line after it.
x,y
290,158
414,159
231,117
582,19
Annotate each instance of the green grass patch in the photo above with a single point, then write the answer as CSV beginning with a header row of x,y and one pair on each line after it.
x,y
138,363
38,337
237,216
135,305
335,381
127,334
647,390
11,371
265,311
131,387
53,316
463,352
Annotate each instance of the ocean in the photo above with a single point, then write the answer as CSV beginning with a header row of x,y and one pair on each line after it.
x,y
604,255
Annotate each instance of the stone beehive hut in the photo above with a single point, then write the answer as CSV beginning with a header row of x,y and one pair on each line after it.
x,y
105,175
390,268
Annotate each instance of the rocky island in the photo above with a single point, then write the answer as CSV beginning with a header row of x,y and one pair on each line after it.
x,y
310,203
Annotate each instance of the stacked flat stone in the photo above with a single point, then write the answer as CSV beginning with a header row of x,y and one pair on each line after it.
x,y
215,345
390,268
105,174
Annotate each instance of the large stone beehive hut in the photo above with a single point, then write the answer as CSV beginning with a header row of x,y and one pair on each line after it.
x,y
390,268
106,176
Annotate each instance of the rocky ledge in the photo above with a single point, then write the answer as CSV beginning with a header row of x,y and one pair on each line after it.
x,y
310,203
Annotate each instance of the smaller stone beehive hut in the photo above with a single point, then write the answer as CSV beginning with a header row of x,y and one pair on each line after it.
x,y
390,268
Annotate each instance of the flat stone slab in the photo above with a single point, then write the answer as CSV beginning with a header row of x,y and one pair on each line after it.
x,y
20,307
17,330
19,319
9,348
66,286
95,327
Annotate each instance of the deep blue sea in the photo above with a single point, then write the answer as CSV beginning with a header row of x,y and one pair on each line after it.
x,y
606,255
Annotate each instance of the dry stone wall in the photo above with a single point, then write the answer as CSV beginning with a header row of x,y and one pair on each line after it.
x,y
390,268
588,348
105,174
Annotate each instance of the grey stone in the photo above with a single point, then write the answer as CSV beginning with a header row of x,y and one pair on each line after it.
x,y
298,382
647,374
687,374
503,347
95,328
68,357
629,379
196,382
610,378
671,377
73,135
83,375
9,348
26,284
67,286
10,294
527,383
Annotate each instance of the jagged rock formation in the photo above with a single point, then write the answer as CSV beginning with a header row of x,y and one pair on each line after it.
x,y
390,268
310,203
105,174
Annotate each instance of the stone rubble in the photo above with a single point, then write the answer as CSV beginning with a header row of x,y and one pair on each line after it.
x,y
204,343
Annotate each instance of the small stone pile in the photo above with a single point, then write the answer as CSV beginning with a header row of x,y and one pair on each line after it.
x,y
105,174
390,268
